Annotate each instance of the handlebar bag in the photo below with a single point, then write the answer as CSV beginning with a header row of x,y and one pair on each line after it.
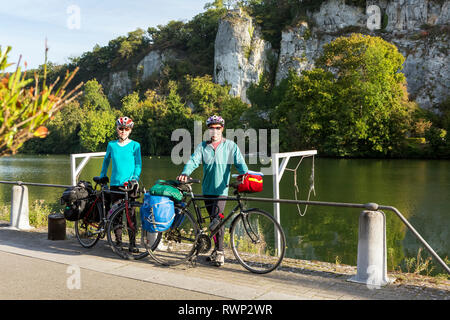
x,y
157,213
167,189
249,183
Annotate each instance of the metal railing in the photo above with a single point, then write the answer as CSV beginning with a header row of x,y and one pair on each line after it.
x,y
368,206
21,183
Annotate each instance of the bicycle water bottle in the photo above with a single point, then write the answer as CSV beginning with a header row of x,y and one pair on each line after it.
x,y
215,222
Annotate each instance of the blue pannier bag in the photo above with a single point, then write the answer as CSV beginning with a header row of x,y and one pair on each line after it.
x,y
157,213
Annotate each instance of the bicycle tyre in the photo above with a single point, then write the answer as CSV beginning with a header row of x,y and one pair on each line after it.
x,y
118,221
256,250
178,243
88,232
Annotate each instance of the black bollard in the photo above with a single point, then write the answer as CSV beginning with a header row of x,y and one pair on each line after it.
x,y
56,227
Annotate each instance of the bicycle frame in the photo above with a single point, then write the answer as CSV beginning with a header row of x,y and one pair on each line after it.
x,y
101,194
200,219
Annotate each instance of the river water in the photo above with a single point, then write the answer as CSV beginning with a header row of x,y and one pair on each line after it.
x,y
420,189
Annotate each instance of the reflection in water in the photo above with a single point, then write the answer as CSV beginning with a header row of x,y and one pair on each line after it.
x,y
418,188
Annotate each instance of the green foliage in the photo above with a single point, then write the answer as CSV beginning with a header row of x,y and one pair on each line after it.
x,y
25,108
276,15
63,133
97,124
209,98
195,39
93,97
96,129
353,104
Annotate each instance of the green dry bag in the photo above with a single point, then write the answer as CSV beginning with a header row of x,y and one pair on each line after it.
x,y
166,188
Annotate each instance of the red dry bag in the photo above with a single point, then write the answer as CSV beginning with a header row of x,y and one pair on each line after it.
x,y
250,183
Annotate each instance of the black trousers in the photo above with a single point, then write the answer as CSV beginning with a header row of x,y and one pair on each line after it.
x,y
132,213
214,207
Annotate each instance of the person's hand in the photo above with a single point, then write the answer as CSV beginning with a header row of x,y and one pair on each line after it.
x,y
182,178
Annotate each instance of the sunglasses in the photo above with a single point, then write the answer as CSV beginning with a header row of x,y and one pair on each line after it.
x,y
124,129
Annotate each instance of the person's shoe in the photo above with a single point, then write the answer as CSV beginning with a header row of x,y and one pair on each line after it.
x,y
212,256
219,259
133,249
119,243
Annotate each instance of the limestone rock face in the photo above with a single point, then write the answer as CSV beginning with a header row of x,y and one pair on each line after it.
x,y
335,15
419,28
299,48
119,84
413,14
241,55
150,65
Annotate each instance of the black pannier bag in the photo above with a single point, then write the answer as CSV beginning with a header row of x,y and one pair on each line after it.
x,y
77,200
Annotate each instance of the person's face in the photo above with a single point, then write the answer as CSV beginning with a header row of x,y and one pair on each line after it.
x,y
123,132
215,132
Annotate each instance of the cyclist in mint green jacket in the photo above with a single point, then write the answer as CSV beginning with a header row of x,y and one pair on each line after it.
x,y
125,155
216,155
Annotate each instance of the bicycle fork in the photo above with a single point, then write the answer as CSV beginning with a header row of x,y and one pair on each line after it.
x,y
248,228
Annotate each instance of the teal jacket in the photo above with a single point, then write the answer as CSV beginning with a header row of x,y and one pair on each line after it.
x,y
216,165
126,162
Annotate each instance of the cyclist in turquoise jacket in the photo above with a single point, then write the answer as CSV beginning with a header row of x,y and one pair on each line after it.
x,y
216,155
125,155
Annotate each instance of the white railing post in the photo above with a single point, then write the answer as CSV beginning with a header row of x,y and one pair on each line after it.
x,y
19,216
277,173
372,257
76,170
276,195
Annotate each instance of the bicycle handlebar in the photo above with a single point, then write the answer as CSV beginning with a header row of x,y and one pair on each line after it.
x,y
129,185
190,180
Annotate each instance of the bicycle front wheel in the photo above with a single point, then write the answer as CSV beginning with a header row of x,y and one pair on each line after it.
x,y
178,243
124,233
257,240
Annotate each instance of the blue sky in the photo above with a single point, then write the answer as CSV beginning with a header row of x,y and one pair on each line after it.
x,y
24,24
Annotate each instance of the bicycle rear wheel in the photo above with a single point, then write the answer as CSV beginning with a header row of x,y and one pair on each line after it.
x,y
253,236
178,243
88,230
124,234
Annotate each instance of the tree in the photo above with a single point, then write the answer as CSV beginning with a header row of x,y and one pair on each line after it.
x,y
353,104
26,108
97,128
93,97
98,121
209,98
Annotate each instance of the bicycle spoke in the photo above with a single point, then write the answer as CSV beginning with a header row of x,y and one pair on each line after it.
x,y
177,244
88,232
253,241
124,234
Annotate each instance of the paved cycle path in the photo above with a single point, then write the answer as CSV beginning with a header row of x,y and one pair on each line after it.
x,y
187,281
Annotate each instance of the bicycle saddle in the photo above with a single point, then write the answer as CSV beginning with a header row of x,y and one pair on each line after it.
x,y
102,180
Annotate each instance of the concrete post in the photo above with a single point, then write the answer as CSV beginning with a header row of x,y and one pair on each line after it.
x,y
372,257
19,216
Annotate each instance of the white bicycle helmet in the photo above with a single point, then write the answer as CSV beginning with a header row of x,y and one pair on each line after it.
x,y
215,120
125,122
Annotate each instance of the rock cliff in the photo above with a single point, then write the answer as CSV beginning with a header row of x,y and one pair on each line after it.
x,y
419,28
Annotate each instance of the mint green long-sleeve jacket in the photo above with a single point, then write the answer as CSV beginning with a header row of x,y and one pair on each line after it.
x,y
216,165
